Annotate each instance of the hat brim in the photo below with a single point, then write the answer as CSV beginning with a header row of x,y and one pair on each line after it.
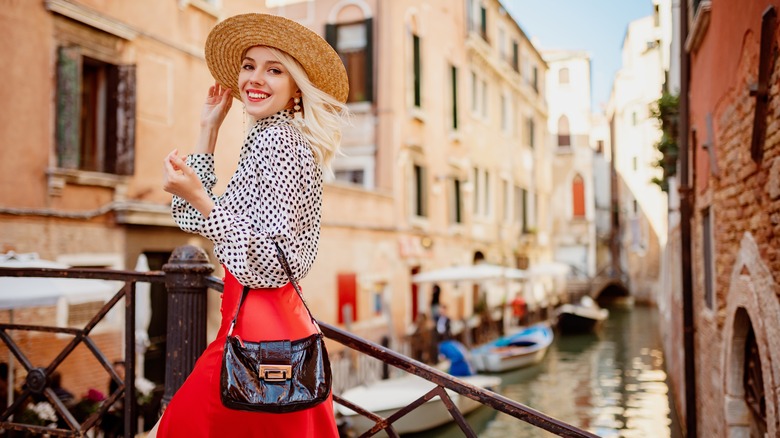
x,y
228,41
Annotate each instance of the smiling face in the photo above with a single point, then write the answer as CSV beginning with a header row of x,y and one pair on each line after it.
x,y
265,84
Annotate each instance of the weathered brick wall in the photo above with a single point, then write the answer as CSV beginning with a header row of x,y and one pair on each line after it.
x,y
744,197
51,237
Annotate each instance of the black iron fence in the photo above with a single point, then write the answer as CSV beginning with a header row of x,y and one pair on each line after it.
x,y
187,277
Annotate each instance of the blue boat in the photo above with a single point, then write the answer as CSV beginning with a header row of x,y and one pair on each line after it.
x,y
524,348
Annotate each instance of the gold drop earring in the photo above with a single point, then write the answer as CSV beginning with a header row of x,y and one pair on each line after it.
x,y
244,120
297,114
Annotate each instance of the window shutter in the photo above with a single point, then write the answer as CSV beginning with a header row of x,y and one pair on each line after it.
x,y
331,36
68,107
417,61
369,76
120,141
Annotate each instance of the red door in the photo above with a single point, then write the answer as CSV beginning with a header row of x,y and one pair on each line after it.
x,y
415,295
347,286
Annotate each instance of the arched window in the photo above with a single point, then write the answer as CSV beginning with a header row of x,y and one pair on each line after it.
x,y
564,139
578,197
563,76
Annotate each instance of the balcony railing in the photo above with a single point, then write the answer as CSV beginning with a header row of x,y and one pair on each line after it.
x,y
187,277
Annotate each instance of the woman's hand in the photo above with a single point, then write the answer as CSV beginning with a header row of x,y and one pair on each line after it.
x,y
218,102
180,180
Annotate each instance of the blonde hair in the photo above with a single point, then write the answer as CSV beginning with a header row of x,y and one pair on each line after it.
x,y
324,115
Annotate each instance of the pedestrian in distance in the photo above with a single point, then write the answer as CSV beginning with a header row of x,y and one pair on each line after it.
x,y
293,86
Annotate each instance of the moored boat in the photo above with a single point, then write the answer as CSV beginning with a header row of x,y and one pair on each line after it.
x,y
386,397
524,348
584,317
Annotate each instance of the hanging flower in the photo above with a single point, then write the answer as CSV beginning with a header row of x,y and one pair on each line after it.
x,y
95,396
88,405
144,390
39,414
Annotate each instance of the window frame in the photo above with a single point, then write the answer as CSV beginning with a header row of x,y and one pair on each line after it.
x,y
110,111
332,37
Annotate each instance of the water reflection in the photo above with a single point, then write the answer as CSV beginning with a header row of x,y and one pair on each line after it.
x,y
613,385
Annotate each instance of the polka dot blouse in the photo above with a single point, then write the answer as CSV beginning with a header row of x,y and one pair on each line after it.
x,y
275,195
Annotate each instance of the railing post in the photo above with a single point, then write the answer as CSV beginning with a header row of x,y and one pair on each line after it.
x,y
185,279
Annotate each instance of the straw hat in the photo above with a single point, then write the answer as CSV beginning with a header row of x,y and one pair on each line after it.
x,y
229,39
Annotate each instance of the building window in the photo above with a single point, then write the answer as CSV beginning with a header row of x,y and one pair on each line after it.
x,y
709,262
483,22
563,76
635,163
454,84
95,125
600,146
578,197
636,227
353,42
535,78
352,176
531,137
417,70
564,138
502,43
516,56
474,92
476,187
484,98
456,201
524,225
420,204
377,298
486,186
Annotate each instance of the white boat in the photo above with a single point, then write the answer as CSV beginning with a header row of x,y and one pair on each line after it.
x,y
386,397
584,317
524,348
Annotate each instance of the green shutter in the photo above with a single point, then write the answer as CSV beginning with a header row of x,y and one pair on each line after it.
x,y
68,135
454,71
331,36
417,71
369,23
120,117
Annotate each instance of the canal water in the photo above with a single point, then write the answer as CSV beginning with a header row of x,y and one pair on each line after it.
x,y
612,384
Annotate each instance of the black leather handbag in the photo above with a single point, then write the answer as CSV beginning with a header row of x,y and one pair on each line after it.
x,y
275,376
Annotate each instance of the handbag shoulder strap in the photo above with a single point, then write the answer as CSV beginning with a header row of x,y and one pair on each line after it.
x,y
286,266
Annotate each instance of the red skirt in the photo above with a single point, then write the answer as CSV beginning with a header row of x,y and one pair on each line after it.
x,y
196,410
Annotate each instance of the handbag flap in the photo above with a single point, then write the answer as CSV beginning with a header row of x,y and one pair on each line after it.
x,y
276,352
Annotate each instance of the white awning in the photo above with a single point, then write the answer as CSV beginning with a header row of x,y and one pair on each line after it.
x,y
473,273
18,292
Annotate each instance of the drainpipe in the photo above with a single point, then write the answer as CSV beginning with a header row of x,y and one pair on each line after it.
x,y
686,214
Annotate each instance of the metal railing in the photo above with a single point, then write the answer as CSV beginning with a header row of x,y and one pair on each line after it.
x,y
187,277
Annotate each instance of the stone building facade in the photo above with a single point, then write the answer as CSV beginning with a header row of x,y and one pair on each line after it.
x,y
97,94
445,161
570,124
641,204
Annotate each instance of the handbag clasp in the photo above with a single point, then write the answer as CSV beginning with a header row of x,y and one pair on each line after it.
x,y
275,373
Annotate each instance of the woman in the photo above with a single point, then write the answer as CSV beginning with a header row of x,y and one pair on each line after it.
x,y
293,86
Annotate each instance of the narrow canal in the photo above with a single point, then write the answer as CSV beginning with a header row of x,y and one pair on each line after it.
x,y
613,384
